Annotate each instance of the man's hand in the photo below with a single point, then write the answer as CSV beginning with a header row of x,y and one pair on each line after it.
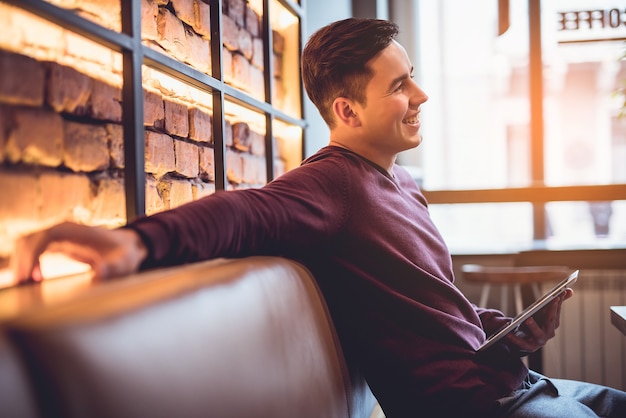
x,y
109,252
535,335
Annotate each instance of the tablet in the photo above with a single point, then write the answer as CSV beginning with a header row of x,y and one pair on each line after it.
x,y
515,323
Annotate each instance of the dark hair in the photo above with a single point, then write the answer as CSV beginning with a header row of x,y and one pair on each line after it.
x,y
334,60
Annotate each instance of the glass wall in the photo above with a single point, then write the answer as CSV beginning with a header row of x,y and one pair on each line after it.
x,y
524,96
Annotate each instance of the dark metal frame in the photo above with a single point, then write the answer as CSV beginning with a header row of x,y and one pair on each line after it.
x,y
134,55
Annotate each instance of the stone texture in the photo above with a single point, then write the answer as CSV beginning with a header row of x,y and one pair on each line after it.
x,y
234,167
154,109
253,22
116,145
203,19
241,136
36,137
154,201
105,102
67,90
171,34
184,10
176,118
200,125
159,155
207,164
65,196
236,11
186,159
109,205
20,191
21,81
86,147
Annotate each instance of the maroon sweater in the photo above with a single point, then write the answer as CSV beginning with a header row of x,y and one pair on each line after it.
x,y
382,265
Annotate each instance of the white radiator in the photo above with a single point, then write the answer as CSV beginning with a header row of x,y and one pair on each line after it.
x,y
587,346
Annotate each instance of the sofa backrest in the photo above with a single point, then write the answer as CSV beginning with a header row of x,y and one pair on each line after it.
x,y
226,338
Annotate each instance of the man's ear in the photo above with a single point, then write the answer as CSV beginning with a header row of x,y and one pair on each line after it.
x,y
344,112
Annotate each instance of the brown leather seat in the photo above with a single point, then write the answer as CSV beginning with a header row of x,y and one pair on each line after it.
x,y
226,338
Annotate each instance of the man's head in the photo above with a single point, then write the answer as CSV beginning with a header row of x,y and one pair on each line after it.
x,y
334,61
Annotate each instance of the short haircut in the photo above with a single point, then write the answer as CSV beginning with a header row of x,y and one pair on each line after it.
x,y
335,60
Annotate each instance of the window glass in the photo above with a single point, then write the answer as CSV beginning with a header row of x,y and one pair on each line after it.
x,y
476,125
485,227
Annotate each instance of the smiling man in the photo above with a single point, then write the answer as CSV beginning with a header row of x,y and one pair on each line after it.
x,y
360,223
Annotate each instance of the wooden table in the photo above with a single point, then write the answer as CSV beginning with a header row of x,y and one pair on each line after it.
x,y
618,317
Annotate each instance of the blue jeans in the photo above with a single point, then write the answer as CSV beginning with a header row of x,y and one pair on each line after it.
x,y
558,398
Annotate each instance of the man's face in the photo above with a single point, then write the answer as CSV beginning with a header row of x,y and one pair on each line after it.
x,y
390,117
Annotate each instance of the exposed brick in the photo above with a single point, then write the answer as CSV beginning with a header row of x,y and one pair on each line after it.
x,y
65,196
241,136
159,153
180,192
278,42
186,159
228,133
184,10
105,12
241,72
171,34
200,126
154,201
116,145
234,167
153,111
149,12
20,196
109,204
279,167
253,169
176,118
237,11
4,130
86,147
67,90
230,33
105,101
203,19
257,82
89,52
43,34
201,190
245,43
36,137
207,164
253,22
257,53
278,65
279,94
227,66
22,80
199,52
257,143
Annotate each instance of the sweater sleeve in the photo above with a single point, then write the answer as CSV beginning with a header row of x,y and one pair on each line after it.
x,y
491,319
298,212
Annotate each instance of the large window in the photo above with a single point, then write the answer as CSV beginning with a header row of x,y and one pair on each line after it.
x,y
523,138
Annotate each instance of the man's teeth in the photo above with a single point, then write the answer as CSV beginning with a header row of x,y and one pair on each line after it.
x,y
414,119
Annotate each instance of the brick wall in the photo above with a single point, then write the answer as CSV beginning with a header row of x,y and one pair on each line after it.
x,y
61,138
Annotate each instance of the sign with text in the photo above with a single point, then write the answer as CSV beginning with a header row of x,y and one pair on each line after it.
x,y
590,21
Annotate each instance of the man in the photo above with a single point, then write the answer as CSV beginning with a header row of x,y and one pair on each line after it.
x,y
361,225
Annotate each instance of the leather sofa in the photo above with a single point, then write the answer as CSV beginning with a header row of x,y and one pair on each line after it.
x,y
238,338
